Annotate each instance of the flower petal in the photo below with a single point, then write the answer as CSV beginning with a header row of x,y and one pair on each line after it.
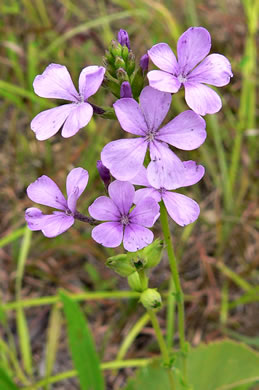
x,y
55,82
122,194
77,177
78,118
130,116
90,80
163,81
145,213
182,210
186,131
214,69
45,191
193,45
136,237
202,99
155,105
163,57
165,169
47,123
57,224
124,157
141,178
104,209
35,218
192,173
108,234
147,192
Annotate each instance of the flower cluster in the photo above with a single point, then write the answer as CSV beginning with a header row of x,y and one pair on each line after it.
x,y
144,160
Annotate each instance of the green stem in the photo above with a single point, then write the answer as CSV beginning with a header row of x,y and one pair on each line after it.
x,y
175,275
170,315
162,345
104,366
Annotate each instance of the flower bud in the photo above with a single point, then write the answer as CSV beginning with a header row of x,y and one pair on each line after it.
x,y
151,299
153,253
136,283
119,63
143,63
125,53
121,75
115,48
130,63
104,173
121,264
123,38
125,91
137,83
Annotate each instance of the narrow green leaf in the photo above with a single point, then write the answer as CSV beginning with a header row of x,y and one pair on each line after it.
x,y
5,382
24,340
11,237
82,346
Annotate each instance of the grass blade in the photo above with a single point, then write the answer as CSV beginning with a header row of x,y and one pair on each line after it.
x,y
82,346
5,382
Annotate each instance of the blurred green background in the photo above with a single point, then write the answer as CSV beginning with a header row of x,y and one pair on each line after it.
x,y
218,254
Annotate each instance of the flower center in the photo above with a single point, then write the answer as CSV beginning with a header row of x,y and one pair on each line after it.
x,y
124,220
162,190
182,78
150,135
68,212
81,99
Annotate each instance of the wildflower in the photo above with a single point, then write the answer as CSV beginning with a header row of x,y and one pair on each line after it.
x,y
143,63
125,91
192,47
125,157
45,191
104,173
182,209
123,224
123,38
55,82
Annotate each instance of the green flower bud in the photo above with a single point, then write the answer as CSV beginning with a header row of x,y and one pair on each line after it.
x,y
136,283
153,253
151,299
137,259
112,85
109,57
125,53
121,75
137,83
115,48
121,264
119,63
130,63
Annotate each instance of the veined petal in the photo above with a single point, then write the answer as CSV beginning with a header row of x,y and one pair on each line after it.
x,y
186,131
55,82
155,105
145,213
214,69
47,123
35,218
165,169
149,192
136,237
122,195
108,234
130,116
79,117
202,99
163,81
124,157
163,57
77,177
192,173
141,178
90,80
45,191
57,224
193,45
182,210
104,209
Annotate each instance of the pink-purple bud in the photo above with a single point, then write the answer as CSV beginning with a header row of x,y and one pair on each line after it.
x,y
123,38
104,173
125,91
144,60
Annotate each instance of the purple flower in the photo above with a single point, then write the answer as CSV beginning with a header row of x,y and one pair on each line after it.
x,y
55,82
123,38
104,173
125,157
192,47
123,224
143,63
45,191
125,91
182,209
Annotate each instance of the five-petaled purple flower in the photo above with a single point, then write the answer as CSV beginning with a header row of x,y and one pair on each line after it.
x,y
55,82
45,191
125,157
182,209
192,47
123,224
